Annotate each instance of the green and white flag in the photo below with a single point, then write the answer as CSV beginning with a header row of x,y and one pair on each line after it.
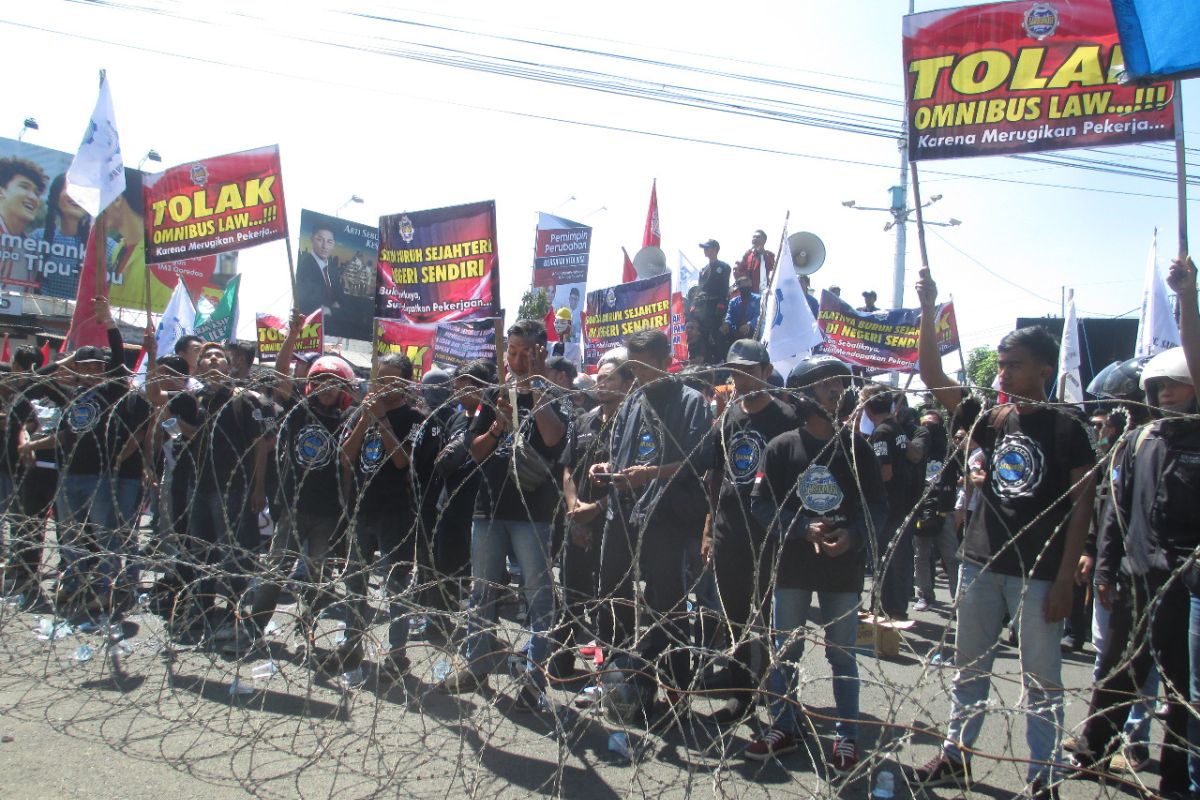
x,y
218,323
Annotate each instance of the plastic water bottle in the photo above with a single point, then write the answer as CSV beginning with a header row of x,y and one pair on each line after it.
x,y
238,688
84,653
885,786
171,426
442,670
352,679
264,670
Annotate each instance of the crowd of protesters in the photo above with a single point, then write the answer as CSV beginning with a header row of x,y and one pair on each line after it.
x,y
611,505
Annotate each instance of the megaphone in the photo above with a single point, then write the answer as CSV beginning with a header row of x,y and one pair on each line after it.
x,y
808,252
650,261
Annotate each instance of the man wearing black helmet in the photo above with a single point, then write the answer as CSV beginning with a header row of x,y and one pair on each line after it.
x,y
1035,478
733,538
813,494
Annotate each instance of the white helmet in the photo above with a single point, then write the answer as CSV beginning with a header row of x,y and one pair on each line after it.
x,y
1167,364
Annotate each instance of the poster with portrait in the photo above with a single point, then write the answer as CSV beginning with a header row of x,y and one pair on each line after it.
x,y
335,271
560,269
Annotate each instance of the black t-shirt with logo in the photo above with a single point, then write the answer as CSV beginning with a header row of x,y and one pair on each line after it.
x,y
429,438
81,428
741,442
223,448
1019,527
811,478
307,454
890,443
593,445
379,484
500,495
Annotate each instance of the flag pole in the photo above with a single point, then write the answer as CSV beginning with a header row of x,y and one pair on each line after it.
x,y
100,252
292,269
920,217
1180,171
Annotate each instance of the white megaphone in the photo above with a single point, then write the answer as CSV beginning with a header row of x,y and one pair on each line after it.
x,y
808,252
649,261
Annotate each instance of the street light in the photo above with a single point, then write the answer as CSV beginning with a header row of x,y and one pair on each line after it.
x,y
30,124
353,199
151,155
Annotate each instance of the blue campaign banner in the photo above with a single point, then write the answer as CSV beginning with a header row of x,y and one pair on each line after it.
x,y
616,312
1159,37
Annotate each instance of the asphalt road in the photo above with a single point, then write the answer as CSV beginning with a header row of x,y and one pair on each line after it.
x,y
140,721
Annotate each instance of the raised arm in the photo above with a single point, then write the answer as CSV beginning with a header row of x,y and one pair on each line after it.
x,y
944,388
283,361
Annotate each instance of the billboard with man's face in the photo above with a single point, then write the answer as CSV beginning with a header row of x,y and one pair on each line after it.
x,y
336,272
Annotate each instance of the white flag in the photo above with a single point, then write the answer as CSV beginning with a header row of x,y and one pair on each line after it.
x,y
686,276
97,176
1156,328
1070,387
789,330
178,320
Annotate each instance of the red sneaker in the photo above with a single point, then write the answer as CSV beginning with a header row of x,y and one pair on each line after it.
x,y
844,757
772,744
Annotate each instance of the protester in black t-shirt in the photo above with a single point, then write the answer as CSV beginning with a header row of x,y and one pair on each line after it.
x,y
85,514
900,476
377,452
934,527
1036,483
734,539
459,477
429,437
519,439
656,509
586,504
814,493
306,455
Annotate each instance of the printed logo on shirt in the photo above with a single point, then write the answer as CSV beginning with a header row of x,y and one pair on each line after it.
x,y
880,448
819,491
1017,466
314,447
371,455
933,471
82,416
647,447
745,453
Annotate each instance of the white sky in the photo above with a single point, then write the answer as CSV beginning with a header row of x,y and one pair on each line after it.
x,y
406,134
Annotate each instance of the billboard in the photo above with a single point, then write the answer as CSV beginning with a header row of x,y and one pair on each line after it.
x,y
560,269
335,271
439,265
1023,77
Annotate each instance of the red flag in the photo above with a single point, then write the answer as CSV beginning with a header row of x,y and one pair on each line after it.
x,y
46,353
84,329
5,355
651,237
628,273
551,334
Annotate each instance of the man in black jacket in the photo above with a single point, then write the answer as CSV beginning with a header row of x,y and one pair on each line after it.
x,y
656,509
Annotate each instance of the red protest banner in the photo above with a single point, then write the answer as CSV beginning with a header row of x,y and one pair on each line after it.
x,y
407,339
214,206
1023,77
439,265
272,330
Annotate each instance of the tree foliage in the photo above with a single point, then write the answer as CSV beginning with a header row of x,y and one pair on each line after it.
x,y
981,366
534,305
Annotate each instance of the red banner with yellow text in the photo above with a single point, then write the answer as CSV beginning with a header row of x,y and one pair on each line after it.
x,y
1020,77
407,339
272,330
214,206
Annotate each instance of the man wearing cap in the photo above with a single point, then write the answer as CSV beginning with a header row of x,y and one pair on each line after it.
x,y
733,540
712,295
868,302
758,263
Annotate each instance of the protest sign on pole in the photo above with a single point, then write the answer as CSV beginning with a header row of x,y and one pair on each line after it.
x,y
881,340
414,340
1157,329
217,322
96,176
215,205
616,312
459,343
560,269
272,330
336,271
439,265
1022,77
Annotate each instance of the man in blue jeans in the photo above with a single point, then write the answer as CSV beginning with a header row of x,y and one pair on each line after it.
x,y
808,496
519,439
1036,486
